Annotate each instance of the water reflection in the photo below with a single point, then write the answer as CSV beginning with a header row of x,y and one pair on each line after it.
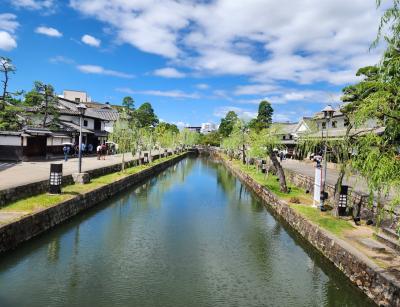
x,y
191,236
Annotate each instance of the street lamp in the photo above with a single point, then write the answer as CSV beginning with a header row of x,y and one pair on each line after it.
x,y
82,109
328,114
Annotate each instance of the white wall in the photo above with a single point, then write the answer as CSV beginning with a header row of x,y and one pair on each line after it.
x,y
10,140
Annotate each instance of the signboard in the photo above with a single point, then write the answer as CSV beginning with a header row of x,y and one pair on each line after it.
x,y
317,185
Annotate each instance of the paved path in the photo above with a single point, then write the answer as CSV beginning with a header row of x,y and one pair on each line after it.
x,y
308,169
16,174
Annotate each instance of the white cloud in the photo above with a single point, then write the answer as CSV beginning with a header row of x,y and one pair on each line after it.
x,y
98,70
7,42
8,26
313,41
202,86
255,89
61,59
242,113
90,40
8,22
33,4
168,72
171,93
48,31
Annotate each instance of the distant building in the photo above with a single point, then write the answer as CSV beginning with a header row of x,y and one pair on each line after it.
x,y
35,141
76,96
194,129
207,128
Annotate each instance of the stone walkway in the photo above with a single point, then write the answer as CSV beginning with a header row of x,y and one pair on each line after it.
x,y
308,168
28,172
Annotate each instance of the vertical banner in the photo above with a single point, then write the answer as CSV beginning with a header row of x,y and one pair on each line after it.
x,y
317,186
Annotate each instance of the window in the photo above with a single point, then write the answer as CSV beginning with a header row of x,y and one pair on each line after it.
x,y
284,137
77,100
85,122
324,125
291,137
334,124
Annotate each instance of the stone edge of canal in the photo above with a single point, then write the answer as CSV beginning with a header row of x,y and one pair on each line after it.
x,y
379,286
15,233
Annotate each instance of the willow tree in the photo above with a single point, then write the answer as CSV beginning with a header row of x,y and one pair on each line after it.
x,y
240,137
265,144
339,149
188,138
122,136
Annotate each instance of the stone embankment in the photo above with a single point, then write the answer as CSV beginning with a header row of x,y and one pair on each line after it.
x,y
34,188
14,233
377,283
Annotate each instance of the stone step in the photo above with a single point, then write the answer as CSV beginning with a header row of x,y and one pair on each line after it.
x,y
372,244
388,241
390,233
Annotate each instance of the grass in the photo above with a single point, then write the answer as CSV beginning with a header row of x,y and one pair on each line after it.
x,y
323,219
46,200
271,182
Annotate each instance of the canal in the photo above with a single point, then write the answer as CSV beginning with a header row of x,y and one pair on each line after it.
x,y
192,236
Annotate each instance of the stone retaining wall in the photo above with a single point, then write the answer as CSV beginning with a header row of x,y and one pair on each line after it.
x,y
14,233
374,281
31,189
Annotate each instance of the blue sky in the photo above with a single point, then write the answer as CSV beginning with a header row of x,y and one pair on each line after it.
x,y
193,60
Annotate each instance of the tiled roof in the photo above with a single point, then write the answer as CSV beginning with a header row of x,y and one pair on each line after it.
x,y
70,107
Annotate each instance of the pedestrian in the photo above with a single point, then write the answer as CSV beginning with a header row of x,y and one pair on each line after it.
x,y
103,151
98,151
281,155
90,148
66,152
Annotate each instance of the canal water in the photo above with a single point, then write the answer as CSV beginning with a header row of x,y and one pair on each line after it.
x,y
192,236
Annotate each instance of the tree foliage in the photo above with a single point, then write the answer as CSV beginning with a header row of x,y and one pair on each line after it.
x,y
43,101
145,116
227,123
264,116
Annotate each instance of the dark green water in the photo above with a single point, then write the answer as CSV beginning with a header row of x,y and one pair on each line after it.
x,y
193,236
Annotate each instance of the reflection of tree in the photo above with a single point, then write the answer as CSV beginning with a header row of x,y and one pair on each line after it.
x,y
74,280
53,250
152,191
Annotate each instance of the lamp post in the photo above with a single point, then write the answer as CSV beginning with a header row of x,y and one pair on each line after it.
x,y
82,109
328,114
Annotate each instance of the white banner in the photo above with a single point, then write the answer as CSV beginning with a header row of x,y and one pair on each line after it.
x,y
317,185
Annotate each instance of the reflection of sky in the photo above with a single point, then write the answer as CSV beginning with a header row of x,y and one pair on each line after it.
x,y
191,236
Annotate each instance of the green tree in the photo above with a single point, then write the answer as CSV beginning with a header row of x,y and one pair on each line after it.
x,y
239,138
43,99
166,135
189,138
6,68
213,138
265,143
145,116
10,108
227,123
124,137
264,116
128,103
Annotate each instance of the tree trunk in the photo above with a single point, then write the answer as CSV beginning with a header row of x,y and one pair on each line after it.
x,y
5,82
244,154
279,171
123,162
338,187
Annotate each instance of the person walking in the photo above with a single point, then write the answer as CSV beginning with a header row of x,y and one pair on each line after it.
x,y
66,152
98,151
103,151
